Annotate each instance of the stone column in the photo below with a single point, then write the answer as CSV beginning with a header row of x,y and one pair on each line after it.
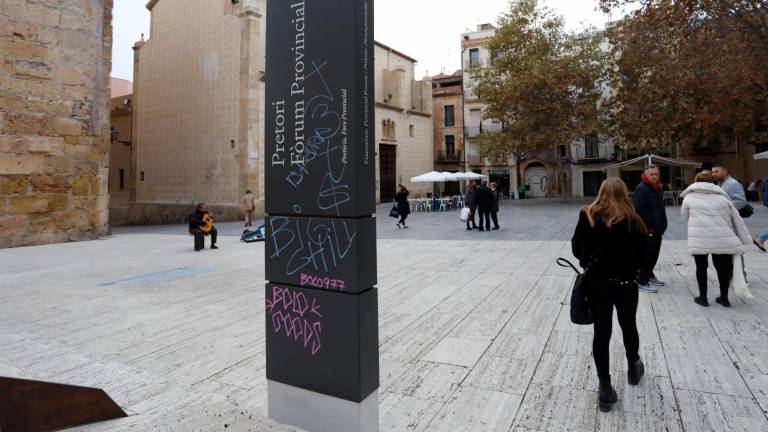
x,y
321,304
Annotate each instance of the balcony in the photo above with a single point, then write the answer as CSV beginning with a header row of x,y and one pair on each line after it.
x,y
473,131
453,157
603,153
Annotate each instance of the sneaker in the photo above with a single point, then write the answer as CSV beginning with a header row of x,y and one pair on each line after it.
x,y
701,301
647,288
723,301
197,249
398,225
405,226
635,372
469,229
654,281
495,228
214,247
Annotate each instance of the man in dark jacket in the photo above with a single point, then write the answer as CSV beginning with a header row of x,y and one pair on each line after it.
x,y
196,221
649,204
484,198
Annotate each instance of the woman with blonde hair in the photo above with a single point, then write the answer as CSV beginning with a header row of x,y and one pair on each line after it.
x,y
714,228
610,242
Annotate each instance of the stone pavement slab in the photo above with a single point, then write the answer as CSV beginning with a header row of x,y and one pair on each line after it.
x,y
474,331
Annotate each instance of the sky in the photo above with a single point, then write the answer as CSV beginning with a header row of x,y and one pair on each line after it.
x,y
427,30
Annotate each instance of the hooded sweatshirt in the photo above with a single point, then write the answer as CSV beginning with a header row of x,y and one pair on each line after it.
x,y
714,224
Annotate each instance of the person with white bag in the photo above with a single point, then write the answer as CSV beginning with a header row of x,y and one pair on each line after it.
x,y
714,228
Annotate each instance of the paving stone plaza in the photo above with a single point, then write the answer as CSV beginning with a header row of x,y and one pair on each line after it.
x,y
177,338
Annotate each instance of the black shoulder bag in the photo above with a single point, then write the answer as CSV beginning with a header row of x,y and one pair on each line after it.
x,y
581,314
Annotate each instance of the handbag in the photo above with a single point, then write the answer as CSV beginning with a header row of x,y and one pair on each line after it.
x,y
464,214
746,211
581,314
395,213
739,281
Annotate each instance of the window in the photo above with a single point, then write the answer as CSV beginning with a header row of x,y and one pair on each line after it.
x,y
388,129
141,175
474,57
121,174
450,115
561,151
411,131
591,147
450,145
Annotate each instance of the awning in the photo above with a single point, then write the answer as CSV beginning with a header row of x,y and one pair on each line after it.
x,y
761,156
652,159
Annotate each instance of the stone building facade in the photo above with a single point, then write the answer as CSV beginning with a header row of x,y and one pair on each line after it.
x,y
404,132
475,57
448,124
198,116
197,110
55,59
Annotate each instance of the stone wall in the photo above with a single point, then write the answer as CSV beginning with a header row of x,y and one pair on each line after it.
x,y
55,58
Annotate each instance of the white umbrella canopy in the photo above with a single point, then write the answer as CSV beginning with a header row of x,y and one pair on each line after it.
x,y
469,176
449,177
761,156
430,177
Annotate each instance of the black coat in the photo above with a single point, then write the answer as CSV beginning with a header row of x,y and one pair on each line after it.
x,y
617,252
495,208
401,198
649,204
196,220
484,198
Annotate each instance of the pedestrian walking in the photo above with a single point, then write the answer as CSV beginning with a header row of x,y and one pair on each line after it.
x,y
649,204
470,201
248,206
714,228
731,186
484,198
401,198
495,208
609,242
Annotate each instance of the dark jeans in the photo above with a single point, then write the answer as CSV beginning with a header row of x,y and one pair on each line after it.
x,y
495,217
471,219
723,266
602,300
485,215
652,254
200,237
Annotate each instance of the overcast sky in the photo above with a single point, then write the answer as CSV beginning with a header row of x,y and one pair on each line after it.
x,y
427,30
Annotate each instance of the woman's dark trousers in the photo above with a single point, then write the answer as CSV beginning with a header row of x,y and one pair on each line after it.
x,y
723,266
495,217
403,216
472,211
623,296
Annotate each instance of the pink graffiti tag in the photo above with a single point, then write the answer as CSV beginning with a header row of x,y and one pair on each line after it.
x,y
322,282
293,315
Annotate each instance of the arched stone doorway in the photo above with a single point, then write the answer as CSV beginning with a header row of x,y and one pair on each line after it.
x,y
536,180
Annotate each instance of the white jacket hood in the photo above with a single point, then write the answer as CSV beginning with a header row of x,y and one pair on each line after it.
x,y
703,187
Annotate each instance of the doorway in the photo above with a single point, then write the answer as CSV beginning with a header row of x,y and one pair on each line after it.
x,y
592,182
387,172
536,181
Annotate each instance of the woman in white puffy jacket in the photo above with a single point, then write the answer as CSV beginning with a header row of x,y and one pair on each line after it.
x,y
714,228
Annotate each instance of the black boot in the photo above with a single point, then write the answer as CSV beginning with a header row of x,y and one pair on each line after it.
x,y
635,372
701,301
723,301
607,396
